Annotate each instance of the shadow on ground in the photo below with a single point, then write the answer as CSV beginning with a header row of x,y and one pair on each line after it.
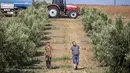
x,y
82,68
63,17
39,54
19,71
56,67
48,24
46,38
46,33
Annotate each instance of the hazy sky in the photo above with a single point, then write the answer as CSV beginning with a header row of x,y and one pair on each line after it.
x,y
110,2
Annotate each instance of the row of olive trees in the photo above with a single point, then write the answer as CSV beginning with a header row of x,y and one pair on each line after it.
x,y
110,40
20,35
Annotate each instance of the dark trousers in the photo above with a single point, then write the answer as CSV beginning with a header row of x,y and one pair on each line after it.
x,y
48,61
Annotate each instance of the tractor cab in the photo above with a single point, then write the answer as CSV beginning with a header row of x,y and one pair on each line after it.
x,y
60,3
59,6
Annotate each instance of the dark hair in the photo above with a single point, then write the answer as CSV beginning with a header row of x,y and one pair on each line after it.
x,y
73,42
47,42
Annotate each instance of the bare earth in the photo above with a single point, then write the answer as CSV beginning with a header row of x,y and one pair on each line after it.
x,y
66,31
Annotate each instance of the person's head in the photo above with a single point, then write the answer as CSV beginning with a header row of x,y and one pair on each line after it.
x,y
48,43
74,43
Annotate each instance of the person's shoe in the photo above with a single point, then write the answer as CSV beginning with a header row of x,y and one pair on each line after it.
x,y
76,68
47,67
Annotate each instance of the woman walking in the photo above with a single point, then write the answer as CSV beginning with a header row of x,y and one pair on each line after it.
x,y
48,54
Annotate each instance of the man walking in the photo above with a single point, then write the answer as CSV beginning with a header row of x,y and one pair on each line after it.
x,y
48,54
75,54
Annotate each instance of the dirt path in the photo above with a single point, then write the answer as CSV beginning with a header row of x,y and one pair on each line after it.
x,y
68,30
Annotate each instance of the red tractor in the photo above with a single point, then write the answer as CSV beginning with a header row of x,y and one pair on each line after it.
x,y
59,6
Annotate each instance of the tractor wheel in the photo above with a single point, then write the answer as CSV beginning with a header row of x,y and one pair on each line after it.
x,y
73,14
53,12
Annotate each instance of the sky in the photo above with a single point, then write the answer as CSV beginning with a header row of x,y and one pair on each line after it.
x,y
104,2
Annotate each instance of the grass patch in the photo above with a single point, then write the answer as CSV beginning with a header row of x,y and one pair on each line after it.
x,y
53,28
58,36
31,67
65,66
58,42
50,28
26,71
62,66
60,58
42,59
